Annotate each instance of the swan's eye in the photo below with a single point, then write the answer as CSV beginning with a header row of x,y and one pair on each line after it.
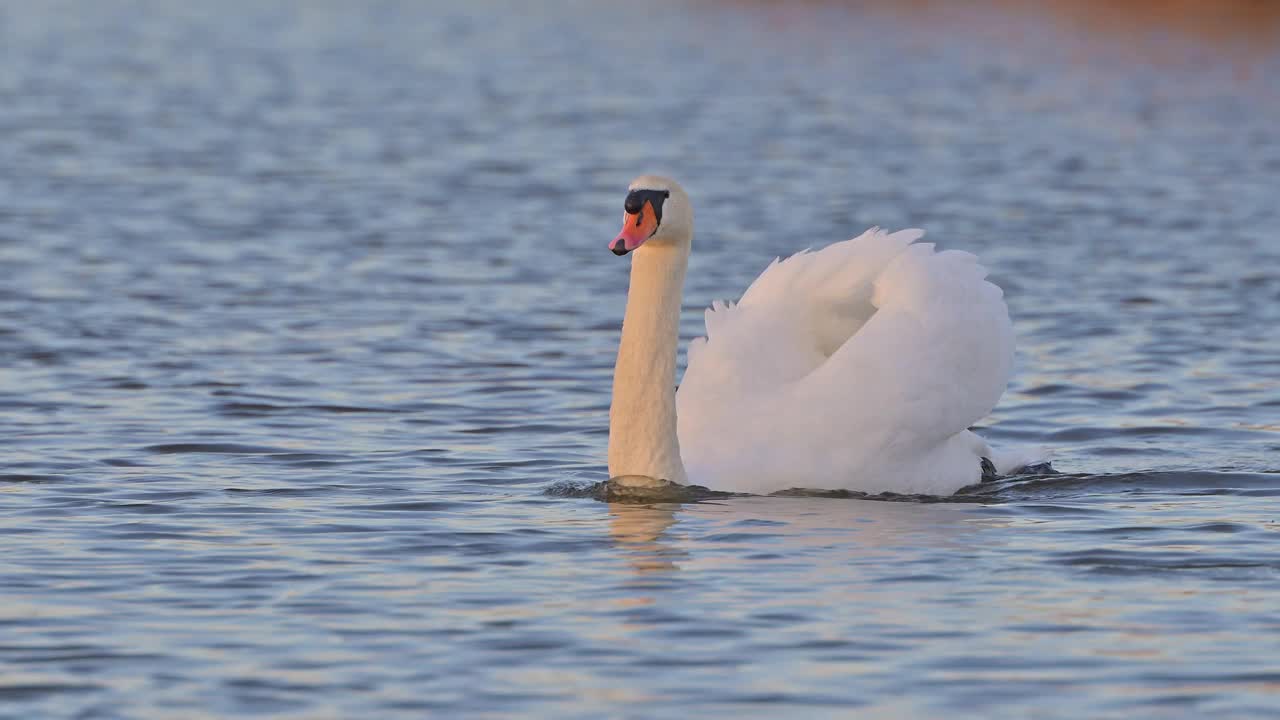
x,y
636,200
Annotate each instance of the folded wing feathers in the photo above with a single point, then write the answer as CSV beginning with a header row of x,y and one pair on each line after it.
x,y
929,377
919,276
835,280
830,271
718,315
834,290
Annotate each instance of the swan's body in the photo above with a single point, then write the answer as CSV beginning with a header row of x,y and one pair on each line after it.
x,y
860,366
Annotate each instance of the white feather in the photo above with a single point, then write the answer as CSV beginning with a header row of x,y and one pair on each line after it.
x,y
859,366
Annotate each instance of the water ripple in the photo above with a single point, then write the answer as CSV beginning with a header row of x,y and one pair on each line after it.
x,y
307,333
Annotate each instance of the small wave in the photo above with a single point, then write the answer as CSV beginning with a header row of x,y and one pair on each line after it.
x,y
256,409
1212,482
29,478
614,490
212,448
1042,483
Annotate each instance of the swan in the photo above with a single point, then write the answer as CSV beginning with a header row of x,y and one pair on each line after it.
x,y
859,366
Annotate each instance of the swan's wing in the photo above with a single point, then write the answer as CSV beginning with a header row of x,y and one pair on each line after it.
x,y
858,366
830,290
934,359
792,317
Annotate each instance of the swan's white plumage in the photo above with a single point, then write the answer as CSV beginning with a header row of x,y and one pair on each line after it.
x,y
859,366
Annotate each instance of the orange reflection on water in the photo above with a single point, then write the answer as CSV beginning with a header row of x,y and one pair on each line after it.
x,y
1157,30
1249,23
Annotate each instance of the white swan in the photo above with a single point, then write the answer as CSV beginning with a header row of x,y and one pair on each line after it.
x,y
859,366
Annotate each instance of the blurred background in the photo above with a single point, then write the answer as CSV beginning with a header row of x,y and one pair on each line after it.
x,y
303,305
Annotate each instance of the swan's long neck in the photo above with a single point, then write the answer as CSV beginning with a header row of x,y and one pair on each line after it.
x,y
642,418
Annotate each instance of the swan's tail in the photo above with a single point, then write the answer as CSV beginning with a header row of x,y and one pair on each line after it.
x,y
1013,461
1009,461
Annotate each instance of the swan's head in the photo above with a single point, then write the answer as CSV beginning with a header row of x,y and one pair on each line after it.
x,y
656,212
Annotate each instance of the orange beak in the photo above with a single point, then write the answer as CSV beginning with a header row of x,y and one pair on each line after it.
x,y
636,228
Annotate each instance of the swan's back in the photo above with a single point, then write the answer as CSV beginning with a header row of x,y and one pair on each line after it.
x,y
859,366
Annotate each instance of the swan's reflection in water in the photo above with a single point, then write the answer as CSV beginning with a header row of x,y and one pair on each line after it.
x,y
851,548
839,587
638,530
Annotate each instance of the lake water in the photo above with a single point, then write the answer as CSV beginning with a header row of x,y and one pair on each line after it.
x,y
306,306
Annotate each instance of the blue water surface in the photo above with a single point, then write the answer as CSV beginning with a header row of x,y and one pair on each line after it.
x,y
305,306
